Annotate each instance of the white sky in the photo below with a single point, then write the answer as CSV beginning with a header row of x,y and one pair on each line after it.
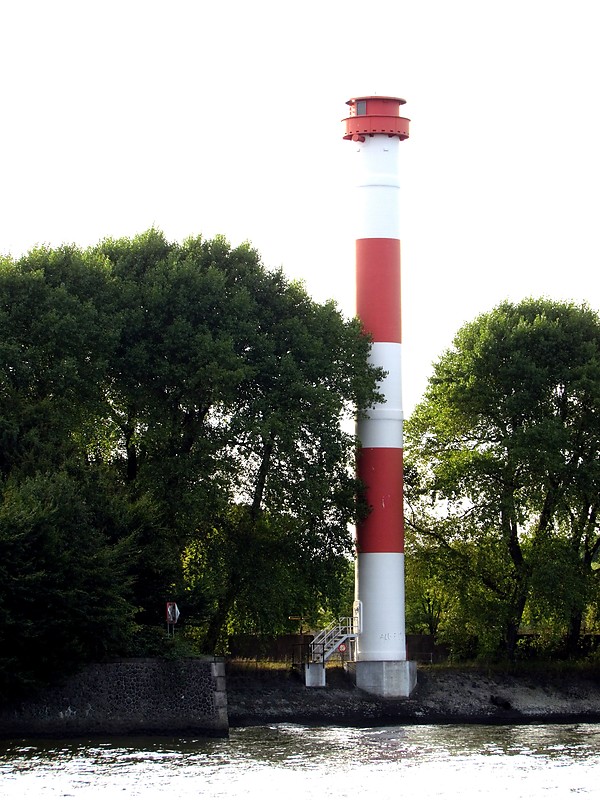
x,y
224,117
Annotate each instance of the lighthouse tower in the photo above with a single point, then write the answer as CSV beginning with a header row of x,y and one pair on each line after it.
x,y
374,129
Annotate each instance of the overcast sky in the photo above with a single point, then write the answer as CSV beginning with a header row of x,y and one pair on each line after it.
x,y
224,117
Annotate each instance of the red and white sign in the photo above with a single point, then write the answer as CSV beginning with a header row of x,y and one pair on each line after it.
x,y
172,613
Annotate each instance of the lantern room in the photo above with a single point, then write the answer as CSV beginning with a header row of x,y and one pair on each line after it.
x,y
375,115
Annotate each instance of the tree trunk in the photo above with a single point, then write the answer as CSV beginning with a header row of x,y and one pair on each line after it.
x,y
261,478
510,533
512,628
573,643
131,451
218,621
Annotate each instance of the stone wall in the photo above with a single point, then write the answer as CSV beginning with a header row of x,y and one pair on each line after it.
x,y
132,696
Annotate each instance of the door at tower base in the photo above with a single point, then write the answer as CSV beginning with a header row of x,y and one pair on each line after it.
x,y
385,678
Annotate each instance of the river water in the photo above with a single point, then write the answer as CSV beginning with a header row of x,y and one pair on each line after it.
x,y
296,761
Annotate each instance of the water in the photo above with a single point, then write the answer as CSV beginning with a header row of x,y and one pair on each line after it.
x,y
294,761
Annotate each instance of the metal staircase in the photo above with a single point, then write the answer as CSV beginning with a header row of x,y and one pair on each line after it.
x,y
329,640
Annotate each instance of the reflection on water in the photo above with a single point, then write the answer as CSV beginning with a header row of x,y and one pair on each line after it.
x,y
442,761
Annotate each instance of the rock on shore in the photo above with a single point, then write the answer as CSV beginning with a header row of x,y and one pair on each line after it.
x,y
443,694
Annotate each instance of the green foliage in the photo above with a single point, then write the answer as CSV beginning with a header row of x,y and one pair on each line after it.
x,y
504,469
55,339
248,574
196,401
427,599
63,588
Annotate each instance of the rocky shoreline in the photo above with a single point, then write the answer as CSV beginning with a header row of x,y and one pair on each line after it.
x,y
443,695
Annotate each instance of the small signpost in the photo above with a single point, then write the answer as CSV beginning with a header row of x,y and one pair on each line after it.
x,y
172,615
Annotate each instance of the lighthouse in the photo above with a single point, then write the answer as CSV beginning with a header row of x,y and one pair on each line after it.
x,y
374,130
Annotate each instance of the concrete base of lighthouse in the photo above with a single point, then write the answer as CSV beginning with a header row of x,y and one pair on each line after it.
x,y
384,678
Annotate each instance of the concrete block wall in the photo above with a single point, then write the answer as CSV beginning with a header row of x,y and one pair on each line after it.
x,y
130,696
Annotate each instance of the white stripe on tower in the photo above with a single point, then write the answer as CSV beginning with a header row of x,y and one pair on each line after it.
x,y
376,130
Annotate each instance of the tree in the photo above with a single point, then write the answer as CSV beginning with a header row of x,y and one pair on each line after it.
x,y
65,554
506,445
289,459
228,389
56,336
427,600
63,585
250,574
198,398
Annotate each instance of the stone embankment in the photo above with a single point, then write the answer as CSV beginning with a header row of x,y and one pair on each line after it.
x,y
193,696
130,696
257,697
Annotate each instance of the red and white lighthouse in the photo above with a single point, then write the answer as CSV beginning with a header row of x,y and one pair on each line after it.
x,y
375,129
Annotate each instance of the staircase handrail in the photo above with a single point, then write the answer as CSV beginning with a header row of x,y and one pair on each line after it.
x,y
330,638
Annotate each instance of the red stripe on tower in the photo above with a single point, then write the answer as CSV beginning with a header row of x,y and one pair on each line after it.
x,y
380,468
378,288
